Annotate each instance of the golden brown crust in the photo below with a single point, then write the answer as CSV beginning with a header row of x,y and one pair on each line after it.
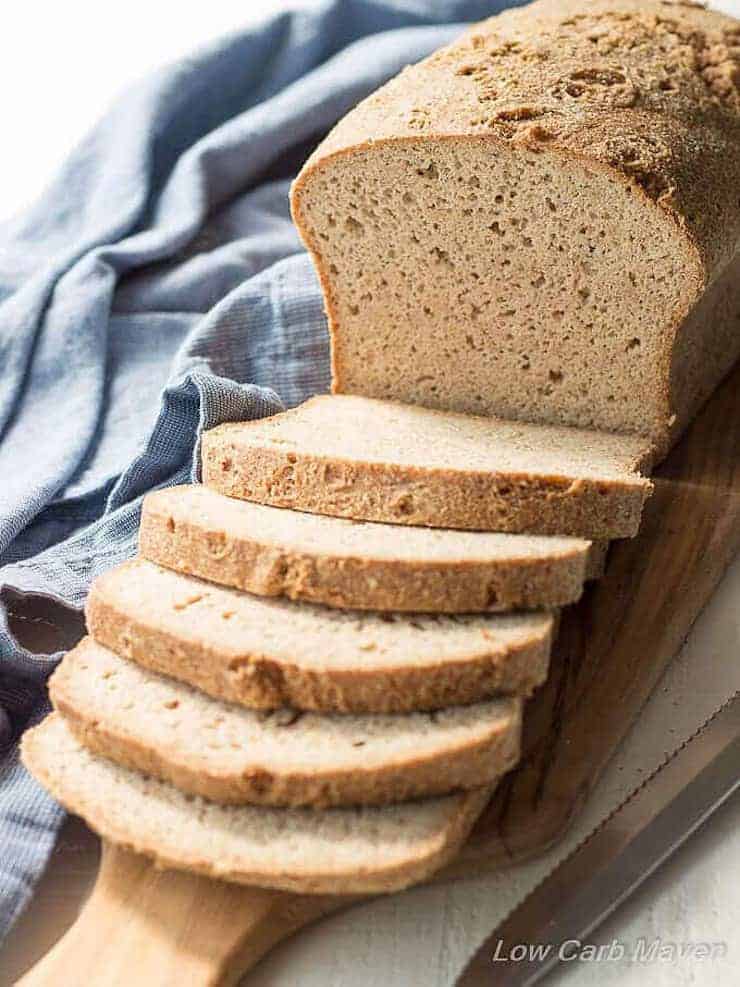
x,y
268,682
467,765
647,88
124,830
401,494
206,548
644,91
706,347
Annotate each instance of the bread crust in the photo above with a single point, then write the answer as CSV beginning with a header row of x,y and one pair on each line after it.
x,y
263,681
258,780
675,77
596,562
643,91
204,546
40,754
699,269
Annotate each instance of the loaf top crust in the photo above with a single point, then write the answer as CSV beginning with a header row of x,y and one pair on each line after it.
x,y
649,89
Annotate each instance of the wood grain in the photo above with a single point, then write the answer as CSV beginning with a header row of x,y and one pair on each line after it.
x,y
615,644
144,926
164,928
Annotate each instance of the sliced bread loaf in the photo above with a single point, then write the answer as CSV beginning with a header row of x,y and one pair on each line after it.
x,y
268,653
539,221
335,851
355,564
374,460
284,757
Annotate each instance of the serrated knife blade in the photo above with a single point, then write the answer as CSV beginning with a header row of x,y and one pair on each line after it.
x,y
615,859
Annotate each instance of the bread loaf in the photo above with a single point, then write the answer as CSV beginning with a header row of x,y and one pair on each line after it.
x,y
541,221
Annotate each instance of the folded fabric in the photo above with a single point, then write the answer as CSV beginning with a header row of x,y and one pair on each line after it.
x,y
158,288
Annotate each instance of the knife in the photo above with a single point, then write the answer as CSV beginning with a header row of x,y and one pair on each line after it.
x,y
615,859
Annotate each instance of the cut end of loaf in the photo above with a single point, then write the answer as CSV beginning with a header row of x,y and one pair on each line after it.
x,y
541,205
541,279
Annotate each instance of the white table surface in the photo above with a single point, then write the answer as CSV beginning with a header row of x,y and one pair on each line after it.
x,y
63,77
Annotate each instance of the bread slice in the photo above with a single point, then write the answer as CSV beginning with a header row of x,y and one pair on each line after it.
x,y
541,220
355,564
335,851
373,460
286,758
268,653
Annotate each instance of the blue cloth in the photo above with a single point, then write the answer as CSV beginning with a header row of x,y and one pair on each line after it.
x,y
158,288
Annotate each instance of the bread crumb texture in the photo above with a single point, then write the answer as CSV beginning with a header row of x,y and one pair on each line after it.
x,y
340,851
570,165
281,757
266,653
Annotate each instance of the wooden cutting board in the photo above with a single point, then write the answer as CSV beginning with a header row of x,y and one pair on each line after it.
x,y
163,928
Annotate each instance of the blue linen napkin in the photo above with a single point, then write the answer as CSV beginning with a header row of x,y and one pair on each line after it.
x,y
158,288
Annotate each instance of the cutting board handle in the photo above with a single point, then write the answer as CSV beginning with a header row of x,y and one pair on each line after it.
x,y
169,928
